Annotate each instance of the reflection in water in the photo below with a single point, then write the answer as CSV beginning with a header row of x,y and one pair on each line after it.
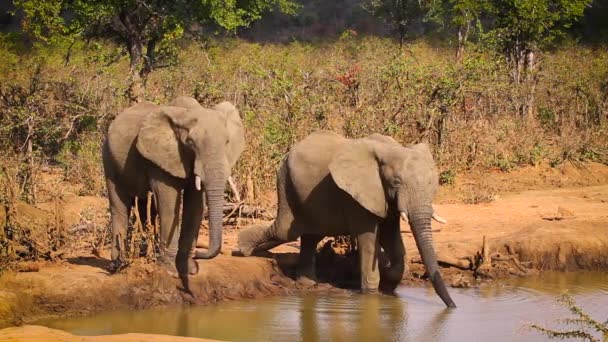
x,y
494,312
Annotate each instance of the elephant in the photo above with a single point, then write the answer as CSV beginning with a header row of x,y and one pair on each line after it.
x,y
328,185
167,149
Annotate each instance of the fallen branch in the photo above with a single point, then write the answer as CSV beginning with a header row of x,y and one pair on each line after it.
x,y
461,263
240,209
512,258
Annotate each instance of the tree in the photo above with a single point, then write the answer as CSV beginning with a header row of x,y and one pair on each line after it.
x,y
457,14
463,14
521,28
147,29
399,13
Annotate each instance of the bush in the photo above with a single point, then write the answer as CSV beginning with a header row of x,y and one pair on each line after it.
x,y
468,111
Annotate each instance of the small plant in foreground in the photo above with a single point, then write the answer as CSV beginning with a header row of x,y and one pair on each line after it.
x,y
584,324
447,177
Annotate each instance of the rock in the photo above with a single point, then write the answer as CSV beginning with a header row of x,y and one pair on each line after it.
x,y
564,212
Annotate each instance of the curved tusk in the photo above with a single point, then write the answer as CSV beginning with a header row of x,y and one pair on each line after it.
x,y
404,217
439,218
197,183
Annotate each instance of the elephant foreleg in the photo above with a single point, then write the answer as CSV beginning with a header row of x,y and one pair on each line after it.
x,y
168,199
307,260
191,222
120,204
389,236
368,247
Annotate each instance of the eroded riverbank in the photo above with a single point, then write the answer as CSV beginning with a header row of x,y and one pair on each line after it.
x,y
561,224
80,285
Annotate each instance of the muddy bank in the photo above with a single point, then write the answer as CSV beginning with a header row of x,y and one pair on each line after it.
x,y
81,286
36,333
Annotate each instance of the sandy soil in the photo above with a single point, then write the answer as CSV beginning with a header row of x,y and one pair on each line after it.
x,y
551,218
34,333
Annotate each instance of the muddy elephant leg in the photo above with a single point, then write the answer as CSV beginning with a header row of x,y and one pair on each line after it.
x,y
120,204
191,222
168,200
368,247
389,237
307,273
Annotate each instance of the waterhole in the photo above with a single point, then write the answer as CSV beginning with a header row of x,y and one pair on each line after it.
x,y
499,311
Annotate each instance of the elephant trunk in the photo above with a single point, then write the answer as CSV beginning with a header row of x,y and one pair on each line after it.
x,y
214,188
420,221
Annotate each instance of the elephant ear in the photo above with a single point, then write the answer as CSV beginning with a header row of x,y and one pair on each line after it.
x,y
236,132
158,142
355,170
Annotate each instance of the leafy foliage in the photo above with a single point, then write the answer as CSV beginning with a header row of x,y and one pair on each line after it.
x,y
585,326
147,29
533,23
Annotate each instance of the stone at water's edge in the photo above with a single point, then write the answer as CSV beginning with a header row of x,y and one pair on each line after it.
x,y
36,333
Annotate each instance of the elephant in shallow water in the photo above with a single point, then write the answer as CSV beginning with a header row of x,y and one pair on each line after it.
x,y
329,185
167,149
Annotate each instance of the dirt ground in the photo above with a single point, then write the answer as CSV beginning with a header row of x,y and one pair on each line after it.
x,y
546,218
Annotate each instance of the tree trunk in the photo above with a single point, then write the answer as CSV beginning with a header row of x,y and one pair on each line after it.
x,y
463,34
135,47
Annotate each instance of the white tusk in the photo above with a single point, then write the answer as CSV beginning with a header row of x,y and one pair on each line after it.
x,y
197,183
404,217
439,218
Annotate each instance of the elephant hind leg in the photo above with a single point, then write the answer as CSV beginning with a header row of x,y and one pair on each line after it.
x,y
307,273
120,204
256,238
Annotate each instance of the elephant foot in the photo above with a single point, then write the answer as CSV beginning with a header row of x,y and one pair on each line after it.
x,y
369,291
246,249
305,282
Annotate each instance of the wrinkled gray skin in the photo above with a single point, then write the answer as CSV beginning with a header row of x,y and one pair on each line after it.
x,y
167,149
329,185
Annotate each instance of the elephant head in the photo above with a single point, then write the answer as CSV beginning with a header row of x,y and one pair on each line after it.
x,y
389,179
198,145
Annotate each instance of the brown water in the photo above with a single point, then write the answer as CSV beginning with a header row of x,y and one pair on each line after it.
x,y
492,312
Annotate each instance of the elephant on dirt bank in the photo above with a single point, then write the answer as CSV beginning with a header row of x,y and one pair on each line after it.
x,y
167,149
329,185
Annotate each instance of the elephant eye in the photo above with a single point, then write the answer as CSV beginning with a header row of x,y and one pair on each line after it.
x,y
397,182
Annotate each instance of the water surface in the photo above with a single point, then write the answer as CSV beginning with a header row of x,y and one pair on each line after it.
x,y
495,312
